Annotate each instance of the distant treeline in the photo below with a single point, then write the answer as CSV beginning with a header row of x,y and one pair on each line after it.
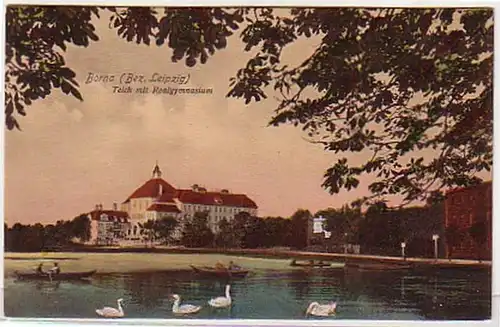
x,y
378,230
38,237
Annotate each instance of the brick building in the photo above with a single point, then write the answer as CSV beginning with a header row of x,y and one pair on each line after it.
x,y
463,208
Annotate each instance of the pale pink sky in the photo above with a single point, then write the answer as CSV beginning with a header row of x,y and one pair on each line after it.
x,y
72,155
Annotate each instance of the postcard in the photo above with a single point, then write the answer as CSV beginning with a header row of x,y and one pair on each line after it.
x,y
248,163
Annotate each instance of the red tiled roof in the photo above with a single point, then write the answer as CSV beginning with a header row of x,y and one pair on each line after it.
x,y
151,189
112,215
215,198
164,208
166,198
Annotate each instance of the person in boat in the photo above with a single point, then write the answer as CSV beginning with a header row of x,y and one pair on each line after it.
x,y
39,269
233,266
56,269
219,266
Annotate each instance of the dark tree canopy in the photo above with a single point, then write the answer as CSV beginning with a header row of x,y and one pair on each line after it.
x,y
390,83
196,232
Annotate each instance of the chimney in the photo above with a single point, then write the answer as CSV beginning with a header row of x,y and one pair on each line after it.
x,y
115,206
100,206
96,207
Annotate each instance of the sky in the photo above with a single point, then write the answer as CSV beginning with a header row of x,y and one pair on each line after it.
x,y
71,155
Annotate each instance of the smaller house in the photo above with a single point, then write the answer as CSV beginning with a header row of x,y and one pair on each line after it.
x,y
108,227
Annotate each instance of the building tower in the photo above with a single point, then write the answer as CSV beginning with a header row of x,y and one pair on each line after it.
x,y
156,171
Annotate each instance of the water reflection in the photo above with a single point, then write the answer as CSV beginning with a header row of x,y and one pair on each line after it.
x,y
299,282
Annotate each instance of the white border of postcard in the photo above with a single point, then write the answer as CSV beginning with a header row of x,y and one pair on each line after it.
x,y
495,306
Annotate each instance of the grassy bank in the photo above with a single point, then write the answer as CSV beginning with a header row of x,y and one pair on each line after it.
x,y
132,262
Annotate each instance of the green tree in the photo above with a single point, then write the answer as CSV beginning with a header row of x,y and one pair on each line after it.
x,y
196,232
225,237
255,233
391,82
63,232
241,225
164,228
7,240
298,228
380,230
148,231
336,223
343,223
81,227
436,198
275,231
417,225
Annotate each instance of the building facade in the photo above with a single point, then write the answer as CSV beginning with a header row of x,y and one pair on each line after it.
x,y
108,227
157,198
465,207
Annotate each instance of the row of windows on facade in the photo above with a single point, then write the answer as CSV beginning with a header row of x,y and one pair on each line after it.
x,y
482,195
213,208
464,218
140,206
135,230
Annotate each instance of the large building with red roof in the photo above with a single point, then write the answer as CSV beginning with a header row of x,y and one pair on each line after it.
x,y
156,198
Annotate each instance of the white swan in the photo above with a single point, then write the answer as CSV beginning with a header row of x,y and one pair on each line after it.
x,y
185,308
222,301
108,312
321,310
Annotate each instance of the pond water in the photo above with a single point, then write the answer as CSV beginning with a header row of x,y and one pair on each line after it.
x,y
265,294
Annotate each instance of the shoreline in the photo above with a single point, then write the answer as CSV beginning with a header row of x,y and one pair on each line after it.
x,y
118,259
268,253
134,262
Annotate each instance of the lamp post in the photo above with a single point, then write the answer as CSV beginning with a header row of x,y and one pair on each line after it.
x,y
345,243
435,238
403,245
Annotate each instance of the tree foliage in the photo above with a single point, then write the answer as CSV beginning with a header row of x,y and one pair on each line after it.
x,y
196,232
147,231
389,82
342,223
298,228
36,38
81,227
394,84
37,237
161,229
165,227
225,237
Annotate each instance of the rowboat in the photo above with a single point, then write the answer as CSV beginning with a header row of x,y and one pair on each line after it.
x,y
309,264
60,276
217,272
379,266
